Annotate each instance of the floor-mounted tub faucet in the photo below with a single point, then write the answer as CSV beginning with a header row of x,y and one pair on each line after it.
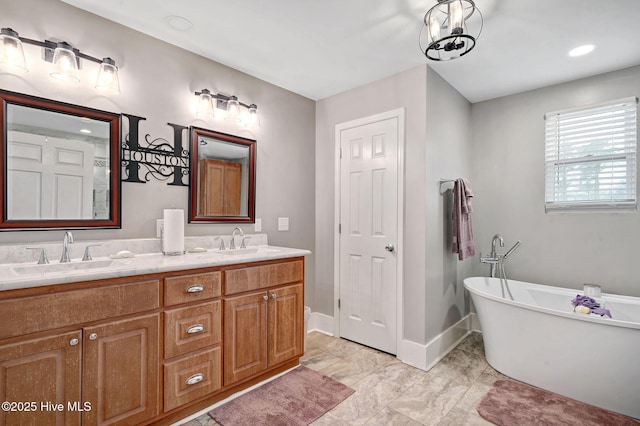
x,y
494,258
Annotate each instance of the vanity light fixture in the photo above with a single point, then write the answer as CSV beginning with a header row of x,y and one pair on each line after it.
x,y
11,52
452,28
65,59
244,114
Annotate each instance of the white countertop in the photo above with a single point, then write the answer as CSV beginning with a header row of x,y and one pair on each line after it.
x,y
25,275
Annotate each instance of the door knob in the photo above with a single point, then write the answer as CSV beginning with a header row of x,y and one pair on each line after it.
x,y
389,247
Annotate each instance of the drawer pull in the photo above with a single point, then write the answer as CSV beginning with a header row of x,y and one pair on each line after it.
x,y
196,288
74,342
196,378
196,328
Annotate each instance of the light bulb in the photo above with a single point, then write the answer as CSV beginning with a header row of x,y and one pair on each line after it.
x,y
108,76
11,53
434,28
233,108
205,104
252,116
65,64
456,17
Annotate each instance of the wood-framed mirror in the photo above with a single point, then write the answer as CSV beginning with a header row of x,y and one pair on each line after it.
x,y
60,165
222,185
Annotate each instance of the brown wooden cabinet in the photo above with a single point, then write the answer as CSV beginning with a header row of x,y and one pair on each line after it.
x,y
120,371
262,328
285,322
41,370
149,349
245,336
192,338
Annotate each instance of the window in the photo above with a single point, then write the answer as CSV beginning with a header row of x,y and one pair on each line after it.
x,y
590,157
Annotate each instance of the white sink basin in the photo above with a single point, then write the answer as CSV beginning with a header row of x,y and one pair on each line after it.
x,y
61,267
248,250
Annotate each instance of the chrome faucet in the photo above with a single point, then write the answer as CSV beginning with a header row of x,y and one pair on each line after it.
x,y
496,238
66,240
232,244
494,258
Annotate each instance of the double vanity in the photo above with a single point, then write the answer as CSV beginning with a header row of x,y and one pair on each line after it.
x,y
147,339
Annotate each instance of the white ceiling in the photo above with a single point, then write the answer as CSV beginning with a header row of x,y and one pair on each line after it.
x,y
318,48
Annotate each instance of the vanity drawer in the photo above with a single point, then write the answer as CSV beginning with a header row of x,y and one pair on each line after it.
x,y
25,315
190,288
192,377
257,277
192,328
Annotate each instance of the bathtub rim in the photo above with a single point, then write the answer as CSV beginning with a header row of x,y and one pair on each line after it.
x,y
552,289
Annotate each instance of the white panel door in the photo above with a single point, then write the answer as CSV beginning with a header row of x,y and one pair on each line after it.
x,y
49,178
369,233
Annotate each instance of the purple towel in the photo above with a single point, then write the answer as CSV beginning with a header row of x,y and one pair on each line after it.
x,y
462,230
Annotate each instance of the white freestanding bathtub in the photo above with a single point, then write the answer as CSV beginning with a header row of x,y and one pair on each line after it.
x,y
531,334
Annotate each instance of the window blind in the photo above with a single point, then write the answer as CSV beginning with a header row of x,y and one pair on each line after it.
x,y
591,157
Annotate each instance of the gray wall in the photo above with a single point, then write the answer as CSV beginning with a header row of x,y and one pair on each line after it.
x,y
157,82
435,145
563,249
448,156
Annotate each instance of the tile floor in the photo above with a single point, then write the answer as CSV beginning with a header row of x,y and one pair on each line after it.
x,y
389,392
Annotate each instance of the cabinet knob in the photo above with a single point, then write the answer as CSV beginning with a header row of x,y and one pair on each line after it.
x,y
93,336
196,378
273,295
265,297
196,288
196,328
73,342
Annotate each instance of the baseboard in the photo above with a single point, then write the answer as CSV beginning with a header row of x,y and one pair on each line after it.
x,y
426,356
321,323
474,323
422,356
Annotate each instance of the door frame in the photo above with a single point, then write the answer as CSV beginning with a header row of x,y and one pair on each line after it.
x,y
398,114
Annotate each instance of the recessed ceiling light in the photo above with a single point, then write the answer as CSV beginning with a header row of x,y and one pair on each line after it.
x,y
582,50
178,23
85,131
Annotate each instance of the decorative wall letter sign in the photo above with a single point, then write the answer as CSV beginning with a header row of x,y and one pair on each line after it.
x,y
161,160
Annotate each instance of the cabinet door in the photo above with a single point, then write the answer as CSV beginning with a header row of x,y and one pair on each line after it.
x,y
41,371
285,323
121,371
245,341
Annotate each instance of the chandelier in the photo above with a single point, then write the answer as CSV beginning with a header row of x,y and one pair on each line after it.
x,y
450,29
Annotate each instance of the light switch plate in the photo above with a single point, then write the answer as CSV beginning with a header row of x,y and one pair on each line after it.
x,y
257,227
283,224
159,227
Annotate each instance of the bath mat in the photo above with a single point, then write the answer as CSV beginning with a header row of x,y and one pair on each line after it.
x,y
511,403
296,398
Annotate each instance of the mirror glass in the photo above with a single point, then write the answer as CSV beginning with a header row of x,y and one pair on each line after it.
x,y
222,181
61,165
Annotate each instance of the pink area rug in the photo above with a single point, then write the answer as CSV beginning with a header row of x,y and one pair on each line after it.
x,y
511,403
296,398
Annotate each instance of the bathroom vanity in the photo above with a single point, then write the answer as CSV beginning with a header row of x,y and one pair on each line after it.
x,y
150,341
